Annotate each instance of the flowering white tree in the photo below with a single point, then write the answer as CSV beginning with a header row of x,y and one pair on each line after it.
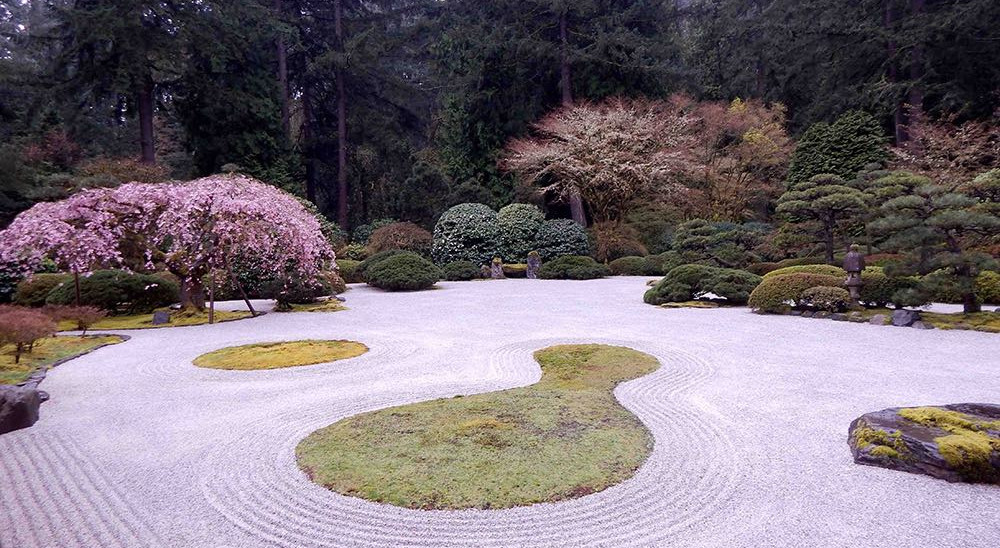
x,y
192,227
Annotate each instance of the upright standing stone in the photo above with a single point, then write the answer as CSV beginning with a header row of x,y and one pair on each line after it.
x,y
534,263
161,317
496,269
854,263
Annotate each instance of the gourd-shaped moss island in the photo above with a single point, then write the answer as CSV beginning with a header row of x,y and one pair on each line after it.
x,y
563,437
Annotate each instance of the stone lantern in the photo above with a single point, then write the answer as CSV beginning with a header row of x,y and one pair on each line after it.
x,y
854,263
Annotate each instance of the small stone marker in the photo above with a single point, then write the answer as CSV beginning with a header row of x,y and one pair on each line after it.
x,y
534,263
854,263
905,318
496,269
877,319
161,317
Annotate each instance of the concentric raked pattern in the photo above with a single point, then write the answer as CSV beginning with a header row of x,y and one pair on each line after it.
x,y
138,447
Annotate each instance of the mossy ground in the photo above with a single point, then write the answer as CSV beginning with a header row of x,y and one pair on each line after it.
x,y
564,437
969,443
330,305
691,304
46,352
145,321
880,443
280,354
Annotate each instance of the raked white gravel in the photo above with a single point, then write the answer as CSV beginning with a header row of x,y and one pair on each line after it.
x,y
749,413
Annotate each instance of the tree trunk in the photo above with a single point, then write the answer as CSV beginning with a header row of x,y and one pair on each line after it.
x,y
828,241
76,287
192,294
308,147
339,74
576,208
915,96
145,102
899,111
282,51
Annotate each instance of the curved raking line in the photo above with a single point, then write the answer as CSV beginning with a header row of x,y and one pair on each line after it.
x,y
688,476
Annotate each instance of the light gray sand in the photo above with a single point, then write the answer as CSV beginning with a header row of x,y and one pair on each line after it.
x,y
750,414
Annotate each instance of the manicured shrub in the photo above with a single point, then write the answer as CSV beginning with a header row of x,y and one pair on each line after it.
x,y
349,271
628,266
22,327
573,267
354,252
117,291
559,237
519,224
363,232
612,241
515,270
777,293
830,299
659,265
362,269
34,290
761,269
460,271
405,236
692,281
82,316
825,269
880,290
404,272
296,290
466,232
988,287
334,281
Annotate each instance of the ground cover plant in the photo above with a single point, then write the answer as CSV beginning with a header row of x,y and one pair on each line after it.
x,y
573,267
692,281
178,318
46,352
404,272
563,437
277,355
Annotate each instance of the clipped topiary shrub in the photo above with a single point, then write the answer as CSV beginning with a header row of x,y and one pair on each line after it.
x,y
988,287
693,281
559,237
519,224
35,290
403,272
573,267
830,299
880,290
118,291
825,269
460,271
361,271
466,232
406,236
777,293
349,271
612,241
628,266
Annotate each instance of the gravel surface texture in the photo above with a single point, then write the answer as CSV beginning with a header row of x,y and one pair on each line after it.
x,y
138,447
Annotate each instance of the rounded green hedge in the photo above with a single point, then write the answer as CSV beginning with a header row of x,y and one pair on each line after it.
x,y
573,267
118,291
519,225
460,271
561,237
406,271
349,271
628,266
830,299
35,290
825,269
880,290
691,281
775,293
361,271
466,232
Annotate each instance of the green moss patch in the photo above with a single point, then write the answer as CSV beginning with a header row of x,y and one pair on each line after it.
x,y
280,354
968,443
145,321
328,305
691,304
48,351
564,437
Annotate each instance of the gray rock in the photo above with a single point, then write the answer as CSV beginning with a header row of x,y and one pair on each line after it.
x,y
161,317
822,314
839,317
891,439
922,325
904,318
793,312
496,271
18,407
534,264
807,314
878,319
855,317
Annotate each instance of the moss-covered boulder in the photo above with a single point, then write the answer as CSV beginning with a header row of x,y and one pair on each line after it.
x,y
958,443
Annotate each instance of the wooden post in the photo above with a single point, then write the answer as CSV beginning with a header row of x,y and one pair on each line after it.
x,y
211,299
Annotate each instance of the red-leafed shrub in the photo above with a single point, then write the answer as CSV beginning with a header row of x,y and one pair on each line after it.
x,y
22,327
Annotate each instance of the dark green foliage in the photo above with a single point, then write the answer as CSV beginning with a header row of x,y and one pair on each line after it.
x,y
628,266
36,289
988,287
349,271
933,229
467,232
843,148
824,202
692,281
363,232
828,270
460,271
403,272
519,225
725,245
361,271
560,237
573,267
658,265
354,252
777,293
830,299
880,290
118,292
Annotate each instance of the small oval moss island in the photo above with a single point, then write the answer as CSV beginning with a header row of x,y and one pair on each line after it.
x,y
276,355
564,437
